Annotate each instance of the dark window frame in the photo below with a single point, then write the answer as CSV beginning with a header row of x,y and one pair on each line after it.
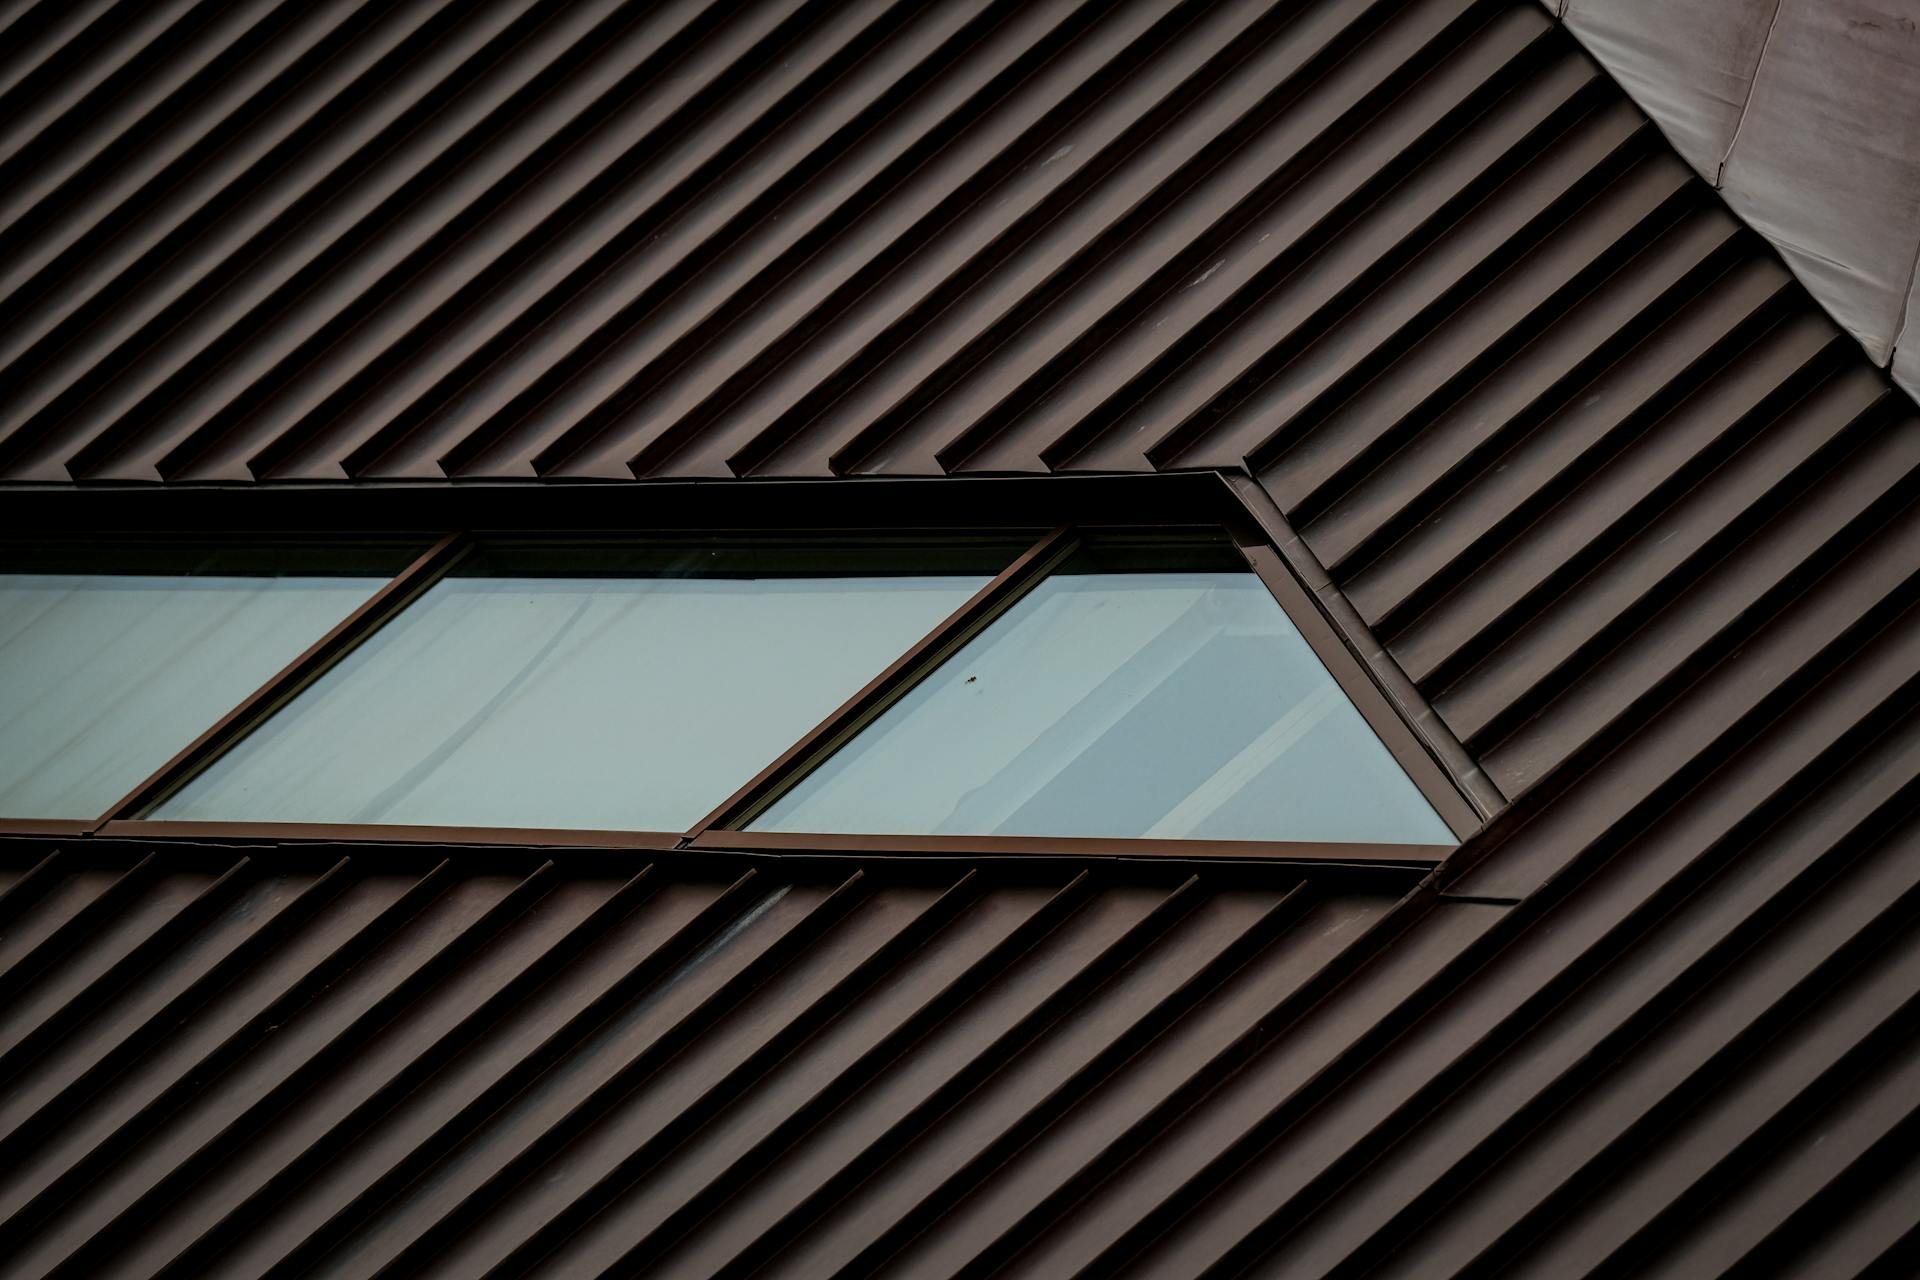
x,y
1095,501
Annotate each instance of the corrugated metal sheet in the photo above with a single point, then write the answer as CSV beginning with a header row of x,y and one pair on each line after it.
x,y
300,242
1682,1059
1533,413
334,1065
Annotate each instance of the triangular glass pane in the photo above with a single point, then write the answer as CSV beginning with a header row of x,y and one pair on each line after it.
x,y
1124,696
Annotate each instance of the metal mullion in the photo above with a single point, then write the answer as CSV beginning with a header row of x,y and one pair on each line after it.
x,y
1404,856
391,833
283,685
1336,621
46,826
963,624
1357,683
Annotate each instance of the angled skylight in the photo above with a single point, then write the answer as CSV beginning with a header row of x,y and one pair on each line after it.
x,y
112,661
586,686
1124,696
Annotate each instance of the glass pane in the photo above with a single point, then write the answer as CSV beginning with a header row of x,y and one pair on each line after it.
x,y
1123,699
589,687
104,676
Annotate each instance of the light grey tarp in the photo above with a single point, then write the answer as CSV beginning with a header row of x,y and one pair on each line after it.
x,y
1806,115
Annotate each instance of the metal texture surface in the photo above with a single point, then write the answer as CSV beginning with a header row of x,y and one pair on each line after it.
x,y
1557,443
365,1060
281,243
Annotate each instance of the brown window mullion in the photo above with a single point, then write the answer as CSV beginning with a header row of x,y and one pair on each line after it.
x,y
319,657
890,685
1358,684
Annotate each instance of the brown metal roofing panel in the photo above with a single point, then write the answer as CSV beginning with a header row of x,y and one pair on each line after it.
x,y
605,241
1564,448
315,1062
257,1059
322,1064
594,240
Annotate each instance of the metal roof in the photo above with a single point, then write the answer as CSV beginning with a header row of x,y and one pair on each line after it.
x,y
356,1061
593,240
1552,437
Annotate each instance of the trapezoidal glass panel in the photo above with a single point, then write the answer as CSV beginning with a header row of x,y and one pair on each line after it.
x,y
113,658
1123,697
589,686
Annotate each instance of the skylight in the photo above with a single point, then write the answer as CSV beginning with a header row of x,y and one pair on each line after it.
x,y
113,660
1130,699
585,687
898,690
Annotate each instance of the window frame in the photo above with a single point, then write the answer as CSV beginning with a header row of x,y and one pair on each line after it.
x,y
1251,529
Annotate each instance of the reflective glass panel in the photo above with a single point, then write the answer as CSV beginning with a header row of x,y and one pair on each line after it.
x,y
104,676
1145,694
589,686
